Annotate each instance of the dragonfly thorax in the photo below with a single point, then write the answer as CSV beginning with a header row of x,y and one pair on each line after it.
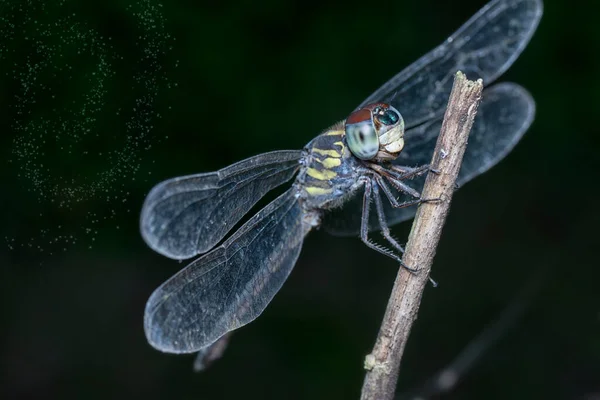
x,y
330,170
375,132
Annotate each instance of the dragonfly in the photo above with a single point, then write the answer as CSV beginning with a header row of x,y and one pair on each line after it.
x,y
379,154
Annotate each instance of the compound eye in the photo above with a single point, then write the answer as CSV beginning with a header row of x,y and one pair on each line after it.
x,y
362,139
388,117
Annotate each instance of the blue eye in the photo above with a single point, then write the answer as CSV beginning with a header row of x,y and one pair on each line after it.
x,y
362,140
388,117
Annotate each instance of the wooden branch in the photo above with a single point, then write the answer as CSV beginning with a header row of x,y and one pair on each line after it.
x,y
383,363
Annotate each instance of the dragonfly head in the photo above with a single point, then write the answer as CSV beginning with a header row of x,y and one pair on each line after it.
x,y
375,132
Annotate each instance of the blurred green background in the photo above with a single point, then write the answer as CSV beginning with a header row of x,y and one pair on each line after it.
x,y
101,100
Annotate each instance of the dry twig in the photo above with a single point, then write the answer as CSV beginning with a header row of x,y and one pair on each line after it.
x,y
383,363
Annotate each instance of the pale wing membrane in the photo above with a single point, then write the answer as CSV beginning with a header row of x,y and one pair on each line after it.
x,y
186,216
230,286
505,113
484,47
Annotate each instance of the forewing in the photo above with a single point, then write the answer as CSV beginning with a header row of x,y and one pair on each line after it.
x,y
189,215
231,285
505,113
484,47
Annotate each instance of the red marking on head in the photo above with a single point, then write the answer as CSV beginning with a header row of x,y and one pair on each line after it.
x,y
364,114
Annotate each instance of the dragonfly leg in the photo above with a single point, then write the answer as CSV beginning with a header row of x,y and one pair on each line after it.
x,y
364,229
409,173
389,173
393,201
385,230
402,173
403,187
402,169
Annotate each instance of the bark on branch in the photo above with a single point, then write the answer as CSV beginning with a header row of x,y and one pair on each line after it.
x,y
383,364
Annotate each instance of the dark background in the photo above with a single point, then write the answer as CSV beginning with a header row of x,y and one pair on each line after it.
x,y
233,79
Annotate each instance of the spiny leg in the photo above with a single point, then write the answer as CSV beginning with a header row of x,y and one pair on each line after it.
x,y
401,186
409,173
406,189
364,227
385,230
383,224
402,169
401,173
381,170
393,200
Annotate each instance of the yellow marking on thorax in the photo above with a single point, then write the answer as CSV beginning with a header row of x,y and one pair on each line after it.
x,y
335,133
317,191
330,162
328,153
321,175
341,144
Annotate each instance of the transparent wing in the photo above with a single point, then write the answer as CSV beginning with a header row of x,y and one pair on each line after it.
x,y
505,113
229,286
484,47
189,215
